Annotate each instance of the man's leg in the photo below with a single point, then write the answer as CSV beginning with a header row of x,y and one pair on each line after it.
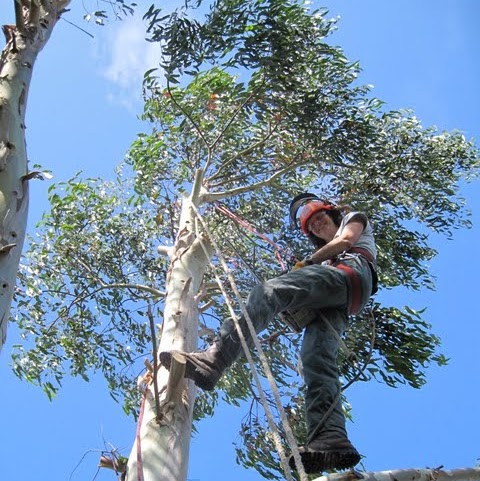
x,y
316,287
328,445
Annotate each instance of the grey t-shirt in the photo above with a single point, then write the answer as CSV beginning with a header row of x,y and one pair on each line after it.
x,y
366,240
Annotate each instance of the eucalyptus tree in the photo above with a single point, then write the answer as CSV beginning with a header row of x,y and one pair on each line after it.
x,y
254,107
35,21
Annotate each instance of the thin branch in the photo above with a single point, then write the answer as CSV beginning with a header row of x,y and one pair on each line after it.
x,y
243,153
210,197
361,371
239,178
226,127
189,117
137,287
76,26
155,361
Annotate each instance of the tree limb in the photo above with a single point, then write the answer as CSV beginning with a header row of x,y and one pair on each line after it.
x,y
19,18
138,287
33,13
232,118
177,372
189,117
465,474
212,196
243,153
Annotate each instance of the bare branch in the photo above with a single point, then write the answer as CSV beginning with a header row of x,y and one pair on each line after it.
x,y
19,18
33,13
225,128
137,287
165,251
155,361
466,474
189,117
243,153
206,306
212,196
175,379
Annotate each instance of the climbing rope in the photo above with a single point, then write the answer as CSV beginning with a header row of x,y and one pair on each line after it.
x,y
286,425
278,251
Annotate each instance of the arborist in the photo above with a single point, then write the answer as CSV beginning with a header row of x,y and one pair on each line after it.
x,y
335,281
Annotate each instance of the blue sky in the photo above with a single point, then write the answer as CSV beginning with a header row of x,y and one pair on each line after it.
x,y
82,116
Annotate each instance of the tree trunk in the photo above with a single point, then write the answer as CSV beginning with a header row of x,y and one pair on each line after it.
x,y
161,448
35,21
468,474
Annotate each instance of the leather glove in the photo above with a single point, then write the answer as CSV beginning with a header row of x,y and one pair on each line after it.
x,y
300,264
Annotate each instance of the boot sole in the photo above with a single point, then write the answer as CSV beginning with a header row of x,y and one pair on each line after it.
x,y
191,370
319,461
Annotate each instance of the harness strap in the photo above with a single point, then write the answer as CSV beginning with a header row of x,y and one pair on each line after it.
x,y
356,288
364,252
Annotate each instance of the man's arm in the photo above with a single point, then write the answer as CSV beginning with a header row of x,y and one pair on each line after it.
x,y
344,242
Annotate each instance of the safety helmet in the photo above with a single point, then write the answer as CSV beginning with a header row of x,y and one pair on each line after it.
x,y
310,204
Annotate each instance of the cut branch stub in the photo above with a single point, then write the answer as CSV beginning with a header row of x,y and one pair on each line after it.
x,y
175,379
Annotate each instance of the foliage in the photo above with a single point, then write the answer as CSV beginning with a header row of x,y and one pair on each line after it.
x,y
118,9
264,108
82,300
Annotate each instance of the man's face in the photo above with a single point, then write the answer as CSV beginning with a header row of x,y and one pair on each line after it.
x,y
322,226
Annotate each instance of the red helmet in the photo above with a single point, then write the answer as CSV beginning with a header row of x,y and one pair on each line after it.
x,y
309,209
310,204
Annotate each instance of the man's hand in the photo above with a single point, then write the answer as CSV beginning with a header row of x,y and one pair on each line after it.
x,y
300,264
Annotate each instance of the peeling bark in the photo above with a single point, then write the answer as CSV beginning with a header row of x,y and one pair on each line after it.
x,y
34,24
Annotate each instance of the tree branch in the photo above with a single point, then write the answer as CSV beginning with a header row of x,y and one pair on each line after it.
x,y
177,372
227,125
137,287
33,14
212,196
155,361
465,474
19,18
243,153
189,117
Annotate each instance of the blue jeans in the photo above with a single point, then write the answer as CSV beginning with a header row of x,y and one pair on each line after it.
x,y
321,288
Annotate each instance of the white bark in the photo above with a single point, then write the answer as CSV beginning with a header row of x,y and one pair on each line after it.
x,y
161,450
35,21
427,474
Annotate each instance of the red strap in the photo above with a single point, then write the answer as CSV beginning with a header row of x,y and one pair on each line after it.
x,y
356,288
364,252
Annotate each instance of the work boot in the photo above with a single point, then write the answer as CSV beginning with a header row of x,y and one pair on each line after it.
x,y
204,368
322,455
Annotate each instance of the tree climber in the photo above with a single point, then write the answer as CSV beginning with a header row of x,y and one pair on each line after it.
x,y
335,281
